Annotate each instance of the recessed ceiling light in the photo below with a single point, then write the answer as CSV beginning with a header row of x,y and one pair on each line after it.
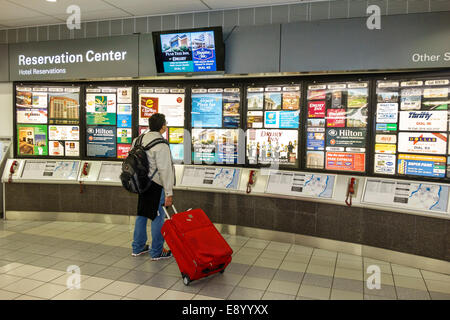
x,y
50,0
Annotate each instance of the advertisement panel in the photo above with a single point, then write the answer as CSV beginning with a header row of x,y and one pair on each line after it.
x,y
170,104
101,141
336,118
64,132
281,119
207,110
266,146
124,116
384,163
428,143
427,166
316,109
32,140
345,161
100,109
387,112
315,141
423,120
348,137
215,145
122,150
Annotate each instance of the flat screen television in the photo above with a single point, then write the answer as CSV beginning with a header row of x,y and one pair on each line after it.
x,y
199,50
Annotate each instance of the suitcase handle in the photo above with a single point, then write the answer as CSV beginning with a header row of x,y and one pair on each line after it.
x,y
167,213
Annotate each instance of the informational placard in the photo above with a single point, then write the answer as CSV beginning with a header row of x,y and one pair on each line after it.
x,y
300,184
207,110
101,109
110,172
215,145
170,104
101,141
412,127
32,140
218,178
50,170
414,196
336,126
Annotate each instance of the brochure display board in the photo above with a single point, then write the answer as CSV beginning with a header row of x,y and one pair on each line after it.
x,y
336,127
215,119
412,128
301,184
110,172
210,177
404,194
170,102
48,121
109,122
272,124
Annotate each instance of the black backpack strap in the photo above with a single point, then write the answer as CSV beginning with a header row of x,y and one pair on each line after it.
x,y
154,143
139,140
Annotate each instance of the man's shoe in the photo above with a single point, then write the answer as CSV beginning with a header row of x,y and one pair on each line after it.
x,y
146,249
165,254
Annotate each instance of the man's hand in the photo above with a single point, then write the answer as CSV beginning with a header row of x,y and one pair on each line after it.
x,y
169,201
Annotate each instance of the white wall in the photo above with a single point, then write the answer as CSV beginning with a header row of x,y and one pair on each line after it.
x,y
6,109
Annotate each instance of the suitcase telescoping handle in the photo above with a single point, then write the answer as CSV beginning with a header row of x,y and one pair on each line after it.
x,y
167,213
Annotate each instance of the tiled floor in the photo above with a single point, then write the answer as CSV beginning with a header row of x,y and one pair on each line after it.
x,y
34,257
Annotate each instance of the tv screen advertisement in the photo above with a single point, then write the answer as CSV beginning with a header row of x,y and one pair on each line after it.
x,y
189,51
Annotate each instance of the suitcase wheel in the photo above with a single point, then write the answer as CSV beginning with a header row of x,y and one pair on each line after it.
x,y
186,279
222,271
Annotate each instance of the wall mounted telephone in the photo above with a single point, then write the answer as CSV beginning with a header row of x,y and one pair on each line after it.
x,y
350,192
12,170
84,173
251,180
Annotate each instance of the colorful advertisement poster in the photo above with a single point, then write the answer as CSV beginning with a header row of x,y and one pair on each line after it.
x,y
124,116
231,103
23,99
124,135
435,93
427,166
64,133
346,137
436,105
64,108
31,115
385,138
100,109
336,118
387,112
428,143
254,119
385,148
272,100
215,145
281,119
317,94
124,95
317,123
176,135
171,105
177,151
72,149
345,161
315,159
423,120
291,100
123,150
410,102
316,109
101,141
56,148
384,164
32,140
188,52
255,100
267,146
207,110
386,127
39,100
357,98
315,141
357,118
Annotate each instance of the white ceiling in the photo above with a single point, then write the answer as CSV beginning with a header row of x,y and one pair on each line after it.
x,y
21,13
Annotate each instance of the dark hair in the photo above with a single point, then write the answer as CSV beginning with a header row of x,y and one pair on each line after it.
x,y
156,122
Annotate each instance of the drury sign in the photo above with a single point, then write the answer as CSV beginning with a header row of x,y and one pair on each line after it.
x,y
75,59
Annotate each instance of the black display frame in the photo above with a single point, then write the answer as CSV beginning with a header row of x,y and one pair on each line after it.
x,y
218,43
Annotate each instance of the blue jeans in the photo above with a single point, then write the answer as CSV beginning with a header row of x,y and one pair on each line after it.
x,y
140,232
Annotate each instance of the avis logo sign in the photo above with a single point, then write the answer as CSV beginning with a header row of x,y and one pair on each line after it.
x,y
374,20
74,19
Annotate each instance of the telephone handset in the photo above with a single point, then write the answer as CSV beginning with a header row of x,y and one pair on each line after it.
x,y
84,173
251,180
12,170
350,192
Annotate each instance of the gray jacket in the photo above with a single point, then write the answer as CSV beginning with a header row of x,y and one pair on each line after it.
x,y
160,157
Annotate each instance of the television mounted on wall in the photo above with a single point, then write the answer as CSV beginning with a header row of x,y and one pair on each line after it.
x,y
199,50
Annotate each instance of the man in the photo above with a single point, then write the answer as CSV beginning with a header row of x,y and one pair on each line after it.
x,y
160,193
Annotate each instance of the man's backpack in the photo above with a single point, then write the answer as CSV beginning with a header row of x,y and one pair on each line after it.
x,y
135,167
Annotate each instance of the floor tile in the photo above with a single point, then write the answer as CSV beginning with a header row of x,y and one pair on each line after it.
x,y
320,270
47,262
439,295
406,271
324,253
412,294
293,266
438,286
384,291
176,295
428,275
46,275
217,291
256,243
74,294
103,296
10,266
254,283
119,288
201,297
240,293
349,264
162,281
23,286
269,263
138,277
323,261
104,259
301,250
297,257
385,279
95,284
225,278
285,275
348,274
237,268
271,254
348,285
91,269
8,295
261,272
317,280
6,280
112,273
278,246
47,291
244,259
345,295
408,282
286,287
370,297
276,296
144,292
26,297
314,292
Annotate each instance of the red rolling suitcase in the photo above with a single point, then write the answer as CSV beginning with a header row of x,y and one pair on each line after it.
x,y
197,246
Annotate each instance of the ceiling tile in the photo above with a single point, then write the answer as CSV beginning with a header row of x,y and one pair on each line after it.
x,y
226,4
98,15
155,7
31,21
10,11
60,7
